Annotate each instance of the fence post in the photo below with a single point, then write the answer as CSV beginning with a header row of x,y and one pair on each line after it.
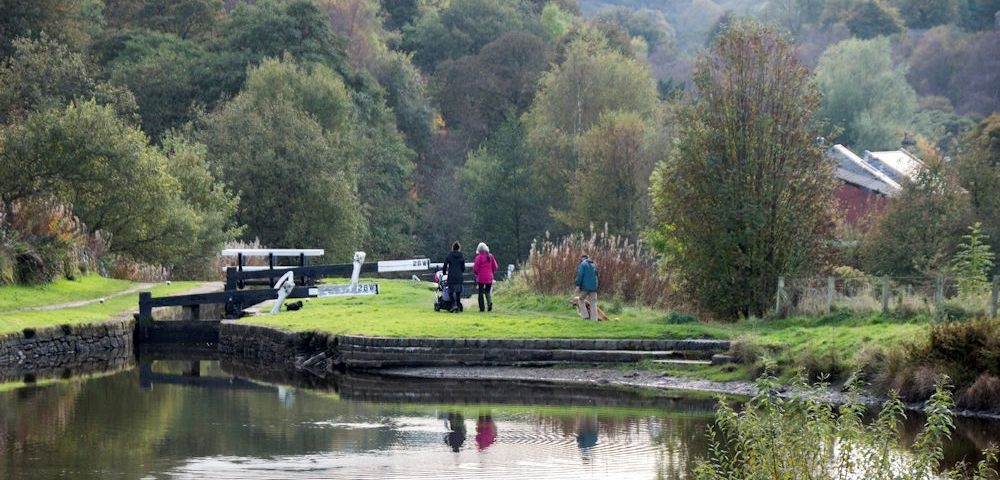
x,y
829,294
938,292
777,296
993,296
885,295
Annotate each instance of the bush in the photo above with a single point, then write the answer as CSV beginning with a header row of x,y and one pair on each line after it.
x,y
983,395
41,239
821,365
966,347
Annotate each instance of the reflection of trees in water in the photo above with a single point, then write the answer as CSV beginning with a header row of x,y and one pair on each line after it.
x,y
30,416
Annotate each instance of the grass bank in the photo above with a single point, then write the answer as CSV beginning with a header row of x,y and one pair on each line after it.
x,y
23,307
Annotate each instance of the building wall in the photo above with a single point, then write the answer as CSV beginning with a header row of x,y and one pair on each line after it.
x,y
857,203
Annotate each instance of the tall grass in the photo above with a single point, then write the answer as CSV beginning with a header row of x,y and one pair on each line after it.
x,y
628,272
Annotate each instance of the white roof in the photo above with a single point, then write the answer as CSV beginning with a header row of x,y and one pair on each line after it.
x,y
898,164
853,169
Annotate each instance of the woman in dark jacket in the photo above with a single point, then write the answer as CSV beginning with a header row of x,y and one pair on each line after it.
x,y
454,268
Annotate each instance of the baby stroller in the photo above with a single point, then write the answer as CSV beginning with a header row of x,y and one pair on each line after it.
x,y
443,300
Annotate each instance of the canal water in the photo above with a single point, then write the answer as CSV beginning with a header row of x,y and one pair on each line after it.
x,y
178,419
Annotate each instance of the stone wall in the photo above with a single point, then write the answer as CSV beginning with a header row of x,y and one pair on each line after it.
x,y
264,346
66,350
270,347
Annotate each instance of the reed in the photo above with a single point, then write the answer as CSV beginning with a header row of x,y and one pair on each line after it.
x,y
628,272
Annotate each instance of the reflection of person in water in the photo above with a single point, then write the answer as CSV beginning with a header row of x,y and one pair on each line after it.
x,y
586,434
456,437
486,431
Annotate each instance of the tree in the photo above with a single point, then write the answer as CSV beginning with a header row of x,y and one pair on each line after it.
x,y
979,15
184,18
974,84
934,60
477,93
87,157
556,21
920,228
463,28
972,261
497,179
406,95
746,196
650,25
68,21
213,208
44,74
864,94
572,97
269,29
400,13
873,18
927,13
284,143
611,185
161,71
979,173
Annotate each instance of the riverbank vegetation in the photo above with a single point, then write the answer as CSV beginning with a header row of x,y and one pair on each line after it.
x,y
803,437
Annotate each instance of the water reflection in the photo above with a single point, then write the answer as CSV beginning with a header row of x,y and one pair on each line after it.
x,y
172,417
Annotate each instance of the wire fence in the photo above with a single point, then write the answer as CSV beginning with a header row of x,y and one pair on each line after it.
x,y
943,297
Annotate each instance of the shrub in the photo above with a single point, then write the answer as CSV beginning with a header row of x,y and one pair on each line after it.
x,y
821,365
42,239
966,347
983,395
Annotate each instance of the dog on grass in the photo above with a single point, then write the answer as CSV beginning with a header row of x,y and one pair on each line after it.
x,y
293,306
575,302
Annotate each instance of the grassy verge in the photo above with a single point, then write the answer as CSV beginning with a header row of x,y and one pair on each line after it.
x,y
60,291
17,320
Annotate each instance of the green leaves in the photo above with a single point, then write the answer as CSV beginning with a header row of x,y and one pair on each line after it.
x,y
746,194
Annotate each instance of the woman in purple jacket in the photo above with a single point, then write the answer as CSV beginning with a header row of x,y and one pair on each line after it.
x,y
483,267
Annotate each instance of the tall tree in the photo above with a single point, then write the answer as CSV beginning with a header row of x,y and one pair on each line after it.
x,y
927,13
284,143
497,178
746,195
213,208
161,70
592,80
69,21
477,93
184,18
873,18
611,185
865,94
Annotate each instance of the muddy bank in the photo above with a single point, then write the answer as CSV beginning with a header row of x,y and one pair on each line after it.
x,y
608,376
